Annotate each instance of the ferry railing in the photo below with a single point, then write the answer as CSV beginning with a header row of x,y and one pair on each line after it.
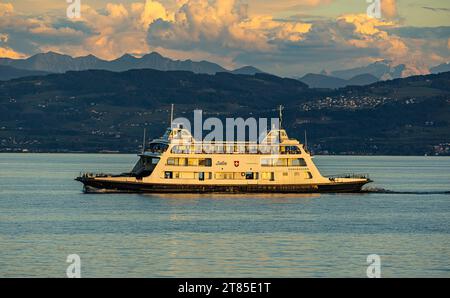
x,y
94,175
232,148
348,176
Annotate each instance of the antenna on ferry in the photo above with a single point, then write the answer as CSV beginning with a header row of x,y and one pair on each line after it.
x,y
281,116
306,141
171,115
144,140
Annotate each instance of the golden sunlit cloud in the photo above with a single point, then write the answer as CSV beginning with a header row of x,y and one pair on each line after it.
x,y
10,53
389,8
6,9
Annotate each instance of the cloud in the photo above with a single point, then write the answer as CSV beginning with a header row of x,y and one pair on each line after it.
x,y
6,9
6,52
389,8
437,9
221,26
271,6
3,38
149,12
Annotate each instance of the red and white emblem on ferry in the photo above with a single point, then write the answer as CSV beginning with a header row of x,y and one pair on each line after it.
x,y
236,163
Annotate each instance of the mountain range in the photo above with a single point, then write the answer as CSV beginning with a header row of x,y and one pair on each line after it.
x,y
51,62
365,75
378,71
324,81
383,70
8,73
57,63
440,68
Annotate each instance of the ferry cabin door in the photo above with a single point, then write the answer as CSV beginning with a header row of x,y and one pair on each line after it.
x,y
251,178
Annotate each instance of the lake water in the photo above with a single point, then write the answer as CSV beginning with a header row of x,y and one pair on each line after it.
x,y
44,217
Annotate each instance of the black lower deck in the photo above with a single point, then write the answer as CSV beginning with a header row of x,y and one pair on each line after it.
x,y
94,185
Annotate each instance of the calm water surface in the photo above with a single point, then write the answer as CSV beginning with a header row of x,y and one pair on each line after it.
x,y
44,217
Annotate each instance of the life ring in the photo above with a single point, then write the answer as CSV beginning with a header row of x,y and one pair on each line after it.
x,y
242,174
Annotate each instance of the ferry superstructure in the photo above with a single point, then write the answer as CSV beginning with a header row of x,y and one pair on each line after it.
x,y
177,163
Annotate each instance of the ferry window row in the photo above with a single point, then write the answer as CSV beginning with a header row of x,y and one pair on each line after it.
x,y
191,162
268,176
188,175
235,149
283,162
236,176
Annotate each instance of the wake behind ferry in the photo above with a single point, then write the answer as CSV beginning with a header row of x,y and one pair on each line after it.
x,y
177,163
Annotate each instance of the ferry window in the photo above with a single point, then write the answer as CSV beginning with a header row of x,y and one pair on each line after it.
x,y
157,147
253,149
168,175
205,162
171,161
291,150
239,175
249,175
155,161
308,175
267,176
180,150
224,176
298,162
285,174
193,162
266,162
201,176
281,162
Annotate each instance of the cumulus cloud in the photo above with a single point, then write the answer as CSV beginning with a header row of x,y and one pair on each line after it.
x,y
6,9
6,52
224,27
149,12
221,26
389,8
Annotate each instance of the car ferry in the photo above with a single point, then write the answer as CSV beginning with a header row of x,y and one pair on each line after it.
x,y
177,163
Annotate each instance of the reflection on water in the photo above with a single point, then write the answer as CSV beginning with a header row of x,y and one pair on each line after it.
x,y
44,216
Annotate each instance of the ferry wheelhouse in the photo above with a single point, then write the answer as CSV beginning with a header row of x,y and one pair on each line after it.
x,y
177,163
